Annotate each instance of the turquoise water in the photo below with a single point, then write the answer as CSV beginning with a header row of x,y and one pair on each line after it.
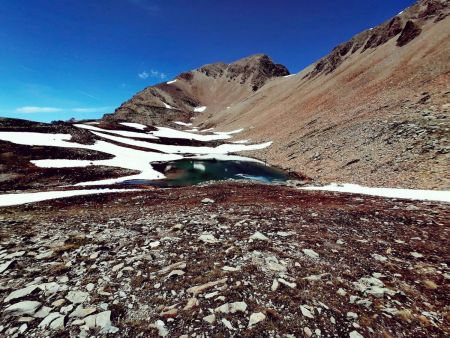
x,y
192,172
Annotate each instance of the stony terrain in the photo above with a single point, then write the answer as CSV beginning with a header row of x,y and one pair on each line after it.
x,y
241,260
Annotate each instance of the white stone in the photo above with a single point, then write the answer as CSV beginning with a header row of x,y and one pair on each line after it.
x,y
154,244
273,264
307,331
232,307
379,257
341,292
314,278
227,324
305,311
230,269
284,282
416,255
285,234
207,200
175,273
210,319
22,328
14,254
258,236
311,253
208,238
117,267
255,318
355,334
373,286
352,315
46,254
275,285
161,327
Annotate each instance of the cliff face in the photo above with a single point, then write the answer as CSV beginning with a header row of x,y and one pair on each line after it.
x,y
214,86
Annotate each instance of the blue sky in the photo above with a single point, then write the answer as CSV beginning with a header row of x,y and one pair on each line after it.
x,y
82,58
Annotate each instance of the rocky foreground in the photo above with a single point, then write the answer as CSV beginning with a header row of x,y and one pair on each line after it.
x,y
241,260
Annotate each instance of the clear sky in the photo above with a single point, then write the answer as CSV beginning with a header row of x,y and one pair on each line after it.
x,y
82,58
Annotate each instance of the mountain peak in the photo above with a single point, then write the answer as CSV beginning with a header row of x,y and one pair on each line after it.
x,y
231,82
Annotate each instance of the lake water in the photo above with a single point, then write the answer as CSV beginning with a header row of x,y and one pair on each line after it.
x,y
191,172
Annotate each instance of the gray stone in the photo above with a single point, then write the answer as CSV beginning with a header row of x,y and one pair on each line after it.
x,y
26,307
21,293
77,297
5,266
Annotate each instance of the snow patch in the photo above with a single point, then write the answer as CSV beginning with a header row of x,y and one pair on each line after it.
x,y
199,166
199,109
183,123
168,106
134,125
413,194
123,157
170,82
117,132
206,130
229,132
222,157
173,133
24,198
175,149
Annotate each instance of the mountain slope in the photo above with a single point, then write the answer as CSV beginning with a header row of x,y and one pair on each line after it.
x,y
374,111
377,114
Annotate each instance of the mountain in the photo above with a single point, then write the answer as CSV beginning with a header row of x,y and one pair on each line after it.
x,y
214,86
374,111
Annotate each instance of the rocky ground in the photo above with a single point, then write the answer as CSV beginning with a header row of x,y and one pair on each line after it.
x,y
242,260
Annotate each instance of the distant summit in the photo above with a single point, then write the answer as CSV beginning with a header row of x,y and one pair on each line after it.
x,y
213,86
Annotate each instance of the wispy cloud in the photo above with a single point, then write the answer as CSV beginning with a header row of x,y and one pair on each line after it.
x,y
37,110
143,75
88,95
33,110
153,73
